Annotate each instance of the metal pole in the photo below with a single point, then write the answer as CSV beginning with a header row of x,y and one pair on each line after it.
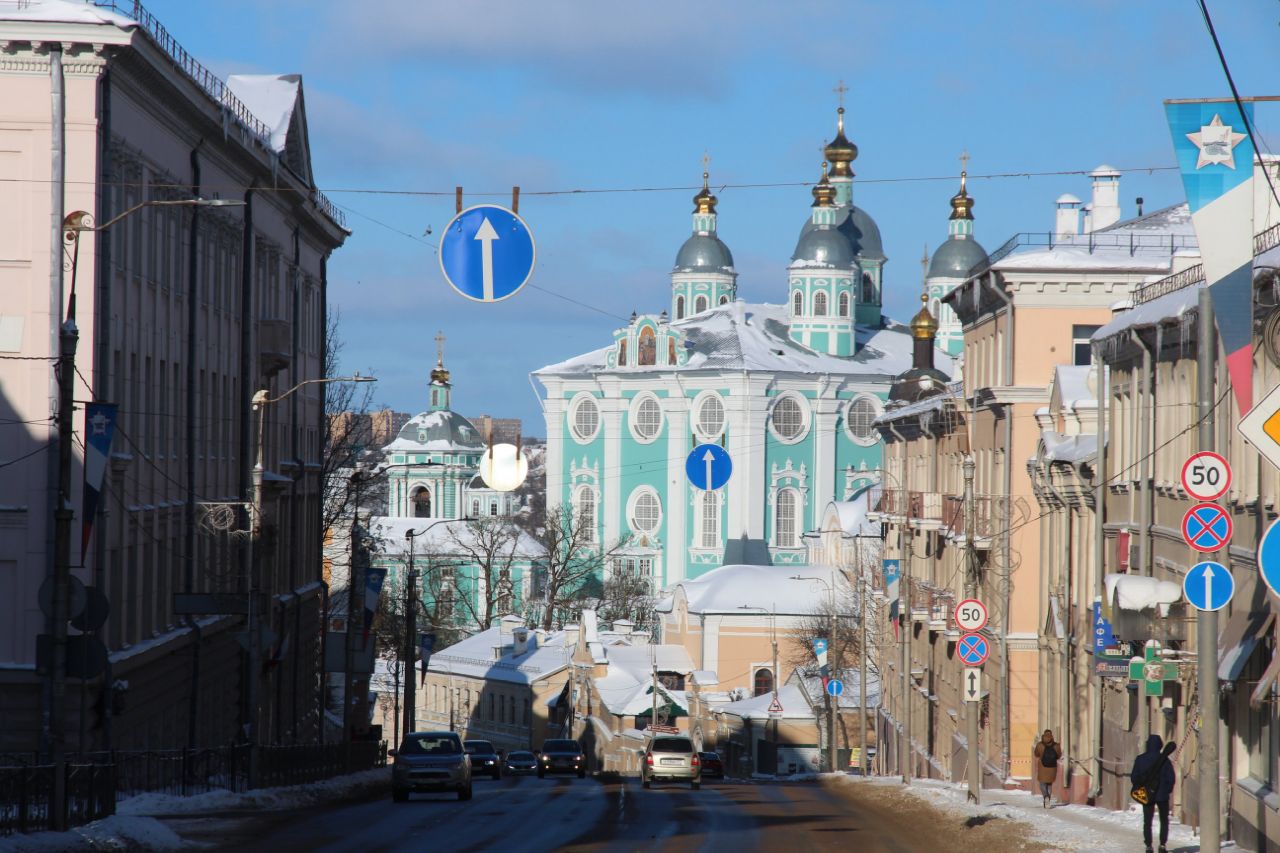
x,y
355,608
862,672
410,638
904,616
62,565
971,591
255,562
831,700
1207,620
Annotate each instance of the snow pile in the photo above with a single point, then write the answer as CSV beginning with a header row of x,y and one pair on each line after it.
x,y
750,591
271,799
1138,592
118,832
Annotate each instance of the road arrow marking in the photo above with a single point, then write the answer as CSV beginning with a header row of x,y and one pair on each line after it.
x,y
708,458
486,235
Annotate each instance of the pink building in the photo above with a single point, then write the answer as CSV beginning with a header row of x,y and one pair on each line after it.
x,y
183,313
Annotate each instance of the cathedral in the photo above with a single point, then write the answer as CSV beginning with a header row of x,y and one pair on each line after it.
x,y
789,390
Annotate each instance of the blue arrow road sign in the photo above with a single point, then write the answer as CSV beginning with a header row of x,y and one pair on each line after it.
x,y
1208,586
973,649
835,686
487,253
708,467
1269,557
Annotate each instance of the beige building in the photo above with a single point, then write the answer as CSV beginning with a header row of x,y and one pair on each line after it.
x,y
183,313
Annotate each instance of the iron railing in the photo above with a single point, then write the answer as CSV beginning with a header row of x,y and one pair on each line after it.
x,y
1129,241
1193,275
26,796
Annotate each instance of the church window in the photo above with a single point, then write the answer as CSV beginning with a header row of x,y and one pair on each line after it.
x,y
646,419
622,353
710,417
585,506
844,304
648,349
700,305
819,304
679,307
422,504
709,526
671,350
475,509
763,682
859,417
584,418
788,419
646,511
493,507
797,303
868,289
724,300
784,519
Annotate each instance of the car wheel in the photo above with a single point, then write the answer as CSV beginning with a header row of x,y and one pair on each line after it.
x,y
399,796
696,786
464,793
645,783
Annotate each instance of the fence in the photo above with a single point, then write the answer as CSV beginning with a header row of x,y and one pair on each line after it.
x,y
26,796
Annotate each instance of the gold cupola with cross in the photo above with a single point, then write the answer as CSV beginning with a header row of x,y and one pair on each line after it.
x,y
440,386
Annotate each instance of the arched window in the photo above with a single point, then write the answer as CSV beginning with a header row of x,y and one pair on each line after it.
x,y
724,300
622,353
679,307
763,681
819,304
868,289
475,508
844,304
797,303
700,305
671,350
586,508
422,504
710,522
784,519
648,349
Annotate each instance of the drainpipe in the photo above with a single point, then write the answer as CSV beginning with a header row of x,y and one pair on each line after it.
x,y
1065,643
1098,570
102,372
189,504
1144,507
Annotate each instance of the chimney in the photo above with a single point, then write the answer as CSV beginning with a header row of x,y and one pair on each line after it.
x,y
539,638
1068,222
520,641
1105,206
507,624
623,626
571,635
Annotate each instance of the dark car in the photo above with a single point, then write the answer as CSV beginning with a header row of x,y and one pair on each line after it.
x,y
430,761
562,756
521,761
484,758
712,766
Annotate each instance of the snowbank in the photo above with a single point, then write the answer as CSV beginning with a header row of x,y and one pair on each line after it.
x,y
118,832
271,799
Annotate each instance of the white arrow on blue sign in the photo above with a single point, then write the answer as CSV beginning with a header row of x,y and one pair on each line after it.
x,y
708,467
487,253
1208,586
835,686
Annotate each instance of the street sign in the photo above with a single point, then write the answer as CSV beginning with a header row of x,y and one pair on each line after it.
x,y
1104,637
1151,670
1261,427
1208,586
972,684
971,615
1269,557
1206,476
835,686
775,709
487,253
973,649
708,467
1111,666
1206,527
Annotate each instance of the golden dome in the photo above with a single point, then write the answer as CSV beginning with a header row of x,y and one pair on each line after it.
x,y
923,325
439,376
840,152
961,203
824,195
704,201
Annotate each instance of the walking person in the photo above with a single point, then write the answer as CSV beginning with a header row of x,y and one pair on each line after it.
x,y
1154,773
1047,752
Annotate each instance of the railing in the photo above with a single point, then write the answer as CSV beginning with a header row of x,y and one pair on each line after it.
x,y
210,83
891,502
26,796
1129,241
925,506
990,515
1192,275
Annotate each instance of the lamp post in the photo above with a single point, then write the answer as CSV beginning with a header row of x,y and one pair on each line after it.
x,y
773,640
73,225
831,701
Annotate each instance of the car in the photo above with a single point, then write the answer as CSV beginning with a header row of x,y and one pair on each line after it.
x,y
484,758
562,755
712,766
430,762
671,758
521,761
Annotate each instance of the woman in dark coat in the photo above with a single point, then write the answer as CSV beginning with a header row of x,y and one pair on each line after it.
x,y
1047,751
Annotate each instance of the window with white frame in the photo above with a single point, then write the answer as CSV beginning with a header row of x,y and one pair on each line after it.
x,y
584,503
797,303
859,417
700,305
646,419
844,304
819,304
709,523
785,517
644,512
789,419
710,417
584,418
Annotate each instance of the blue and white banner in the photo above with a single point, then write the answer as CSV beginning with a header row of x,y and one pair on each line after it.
x,y
426,645
892,573
1215,156
820,652
373,579
99,428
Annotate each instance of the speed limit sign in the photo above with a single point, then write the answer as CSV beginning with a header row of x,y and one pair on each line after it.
x,y
971,615
1206,476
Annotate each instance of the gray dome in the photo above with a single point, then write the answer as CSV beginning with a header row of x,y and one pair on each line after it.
x,y
443,430
956,257
859,229
825,246
704,253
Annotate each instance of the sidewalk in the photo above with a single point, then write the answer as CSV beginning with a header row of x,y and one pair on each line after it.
x,y
1061,827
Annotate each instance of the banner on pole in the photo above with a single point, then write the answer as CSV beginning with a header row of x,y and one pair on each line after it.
x,y
99,428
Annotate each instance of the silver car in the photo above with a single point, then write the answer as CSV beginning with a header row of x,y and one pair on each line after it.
x,y
430,761
671,758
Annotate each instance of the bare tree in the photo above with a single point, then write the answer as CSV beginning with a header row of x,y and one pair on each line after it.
x,y
571,564
346,427
489,545
628,595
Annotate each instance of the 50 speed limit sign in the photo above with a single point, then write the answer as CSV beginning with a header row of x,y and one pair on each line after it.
x,y
1206,476
971,615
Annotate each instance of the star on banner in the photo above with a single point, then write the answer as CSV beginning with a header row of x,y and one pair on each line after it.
x,y
1217,143
99,423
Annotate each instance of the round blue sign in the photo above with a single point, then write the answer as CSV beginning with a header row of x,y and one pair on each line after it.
x,y
1208,586
1269,557
487,253
708,467
835,686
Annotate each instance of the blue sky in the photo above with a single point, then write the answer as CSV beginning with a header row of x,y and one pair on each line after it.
x,y
426,95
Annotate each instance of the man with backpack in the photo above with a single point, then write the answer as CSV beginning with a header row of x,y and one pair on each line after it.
x,y
1153,777
1047,753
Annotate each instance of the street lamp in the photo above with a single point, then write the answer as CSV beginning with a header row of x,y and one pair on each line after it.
x,y
831,705
773,640
73,224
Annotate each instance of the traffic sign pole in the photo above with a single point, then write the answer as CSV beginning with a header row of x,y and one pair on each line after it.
x,y
971,594
1207,620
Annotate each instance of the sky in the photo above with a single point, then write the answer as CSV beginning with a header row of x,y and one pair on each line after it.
x,y
407,99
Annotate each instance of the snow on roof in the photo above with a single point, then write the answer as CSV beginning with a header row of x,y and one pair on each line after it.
x,y
742,336
1067,198
1073,386
625,689
445,537
270,97
794,705
64,12
1139,592
811,682
928,404
1068,448
852,515
446,431
1143,244
740,588
474,657
1171,306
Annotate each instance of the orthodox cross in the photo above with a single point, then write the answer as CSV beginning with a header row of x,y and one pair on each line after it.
x,y
964,161
440,347
840,89
924,262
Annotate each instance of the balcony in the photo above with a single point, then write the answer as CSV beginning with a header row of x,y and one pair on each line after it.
x,y
990,518
925,510
275,345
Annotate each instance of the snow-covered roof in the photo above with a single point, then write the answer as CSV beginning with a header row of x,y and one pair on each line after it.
x,y
625,689
1072,382
852,515
811,682
928,404
745,590
1142,244
270,97
742,336
1171,306
1068,448
474,657
1139,592
64,12
445,537
442,431
794,705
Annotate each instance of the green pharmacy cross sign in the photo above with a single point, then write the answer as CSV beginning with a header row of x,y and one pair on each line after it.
x,y
1151,670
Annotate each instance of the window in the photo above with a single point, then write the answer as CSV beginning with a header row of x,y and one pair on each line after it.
x,y
622,353
710,417
784,519
1080,348
491,711
584,416
700,305
422,504
493,507
709,528
646,419
646,511
526,712
861,412
648,349
679,307
763,682
788,419
586,505
844,304
868,288
475,508
724,300
797,303
671,350
819,304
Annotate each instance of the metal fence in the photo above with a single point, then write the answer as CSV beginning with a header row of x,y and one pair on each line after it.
x,y
26,795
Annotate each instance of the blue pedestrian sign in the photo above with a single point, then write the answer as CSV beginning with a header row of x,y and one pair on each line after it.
x,y
835,686
487,253
708,467
1208,586
1269,557
973,649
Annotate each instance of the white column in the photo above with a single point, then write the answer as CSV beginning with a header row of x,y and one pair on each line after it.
x,y
824,458
755,479
611,421
676,505
553,413
743,446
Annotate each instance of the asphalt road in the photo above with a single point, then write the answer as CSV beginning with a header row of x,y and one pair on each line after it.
x,y
590,816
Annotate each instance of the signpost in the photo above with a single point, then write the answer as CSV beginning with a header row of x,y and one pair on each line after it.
x,y
835,686
1261,427
972,684
1151,670
1206,527
971,615
708,467
1206,476
487,253
973,649
775,709
1208,586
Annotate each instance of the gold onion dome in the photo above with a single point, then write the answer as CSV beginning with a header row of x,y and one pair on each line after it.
x,y
840,152
923,325
704,201
961,203
440,375
824,195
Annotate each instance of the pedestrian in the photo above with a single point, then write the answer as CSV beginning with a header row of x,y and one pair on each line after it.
x,y
1153,775
1047,751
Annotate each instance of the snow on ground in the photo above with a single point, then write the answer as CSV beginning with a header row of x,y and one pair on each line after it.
x,y
118,832
1064,827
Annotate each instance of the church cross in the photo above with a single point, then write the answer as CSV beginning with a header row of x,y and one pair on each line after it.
x,y
964,161
840,89
440,347
924,261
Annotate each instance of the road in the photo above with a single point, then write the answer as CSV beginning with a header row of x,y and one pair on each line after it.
x,y
589,816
